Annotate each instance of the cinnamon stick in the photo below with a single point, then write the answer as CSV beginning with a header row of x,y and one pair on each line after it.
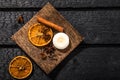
x,y
48,23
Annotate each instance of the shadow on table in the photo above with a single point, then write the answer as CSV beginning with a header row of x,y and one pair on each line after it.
x,y
76,51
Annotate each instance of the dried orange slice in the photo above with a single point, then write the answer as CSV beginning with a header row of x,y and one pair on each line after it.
x,y
20,67
40,35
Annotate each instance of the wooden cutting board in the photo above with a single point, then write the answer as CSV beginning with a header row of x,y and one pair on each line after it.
x,y
50,13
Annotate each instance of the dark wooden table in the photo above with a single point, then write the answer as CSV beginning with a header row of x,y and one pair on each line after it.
x,y
97,58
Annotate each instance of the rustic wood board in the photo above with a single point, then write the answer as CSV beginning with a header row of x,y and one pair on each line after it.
x,y
50,13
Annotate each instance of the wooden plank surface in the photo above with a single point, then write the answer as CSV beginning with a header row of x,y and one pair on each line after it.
x,y
7,54
97,20
98,27
59,3
91,64
21,38
84,63
9,25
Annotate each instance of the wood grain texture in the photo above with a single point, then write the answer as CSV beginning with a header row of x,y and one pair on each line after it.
x,y
7,54
9,25
97,20
99,63
59,3
21,38
98,27
84,63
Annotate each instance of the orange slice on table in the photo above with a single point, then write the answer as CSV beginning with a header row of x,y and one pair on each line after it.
x,y
39,34
20,67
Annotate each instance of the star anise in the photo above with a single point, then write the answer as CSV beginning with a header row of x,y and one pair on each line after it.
x,y
45,30
49,49
43,56
47,37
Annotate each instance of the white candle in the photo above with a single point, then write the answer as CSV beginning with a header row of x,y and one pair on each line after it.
x,y
61,40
